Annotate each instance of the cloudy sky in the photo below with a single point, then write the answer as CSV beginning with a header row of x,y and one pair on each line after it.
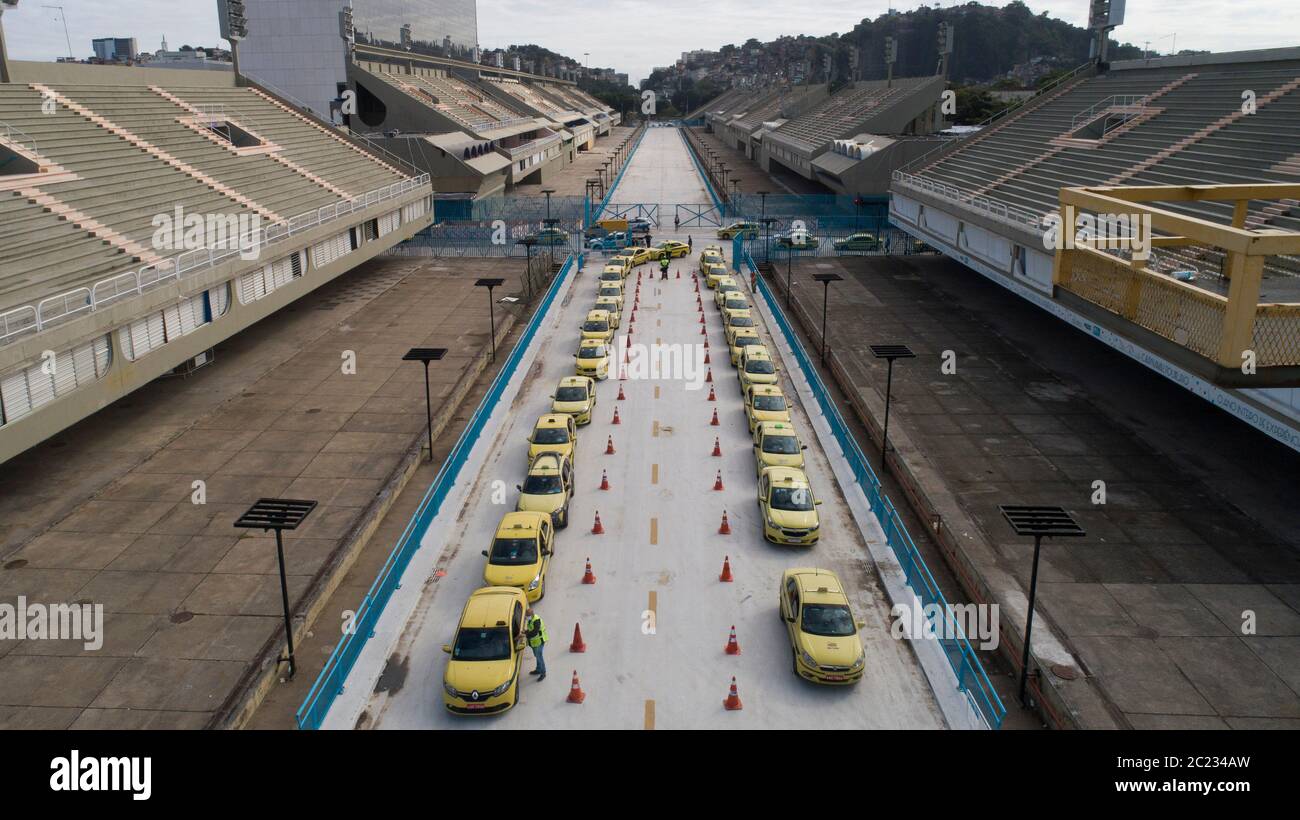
x,y
618,33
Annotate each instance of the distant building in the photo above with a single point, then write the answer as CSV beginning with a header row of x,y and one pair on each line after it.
x,y
114,49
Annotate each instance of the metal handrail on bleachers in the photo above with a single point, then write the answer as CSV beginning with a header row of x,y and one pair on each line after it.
x,y
993,207
1127,101
16,136
53,310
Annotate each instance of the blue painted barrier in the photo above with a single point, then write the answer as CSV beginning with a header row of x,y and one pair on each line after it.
x,y
329,684
972,680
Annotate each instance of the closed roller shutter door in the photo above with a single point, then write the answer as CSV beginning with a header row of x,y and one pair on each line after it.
x,y
281,274
144,335
103,355
65,373
323,253
219,299
192,316
40,386
388,223
172,321
83,359
252,286
13,393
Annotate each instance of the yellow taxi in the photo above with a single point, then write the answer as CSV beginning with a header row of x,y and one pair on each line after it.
x,y
765,402
713,271
548,488
820,624
742,338
521,553
726,284
597,326
734,300
611,275
636,255
672,248
622,263
787,507
712,253
611,306
756,367
776,444
482,677
553,433
611,290
592,359
748,230
575,395
736,320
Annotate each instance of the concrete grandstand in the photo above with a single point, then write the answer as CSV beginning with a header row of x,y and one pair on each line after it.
x,y
1179,121
92,304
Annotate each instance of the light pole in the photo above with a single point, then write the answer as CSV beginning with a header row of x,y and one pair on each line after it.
x,y
825,279
763,214
528,243
426,355
1040,522
492,319
64,18
889,353
279,514
767,248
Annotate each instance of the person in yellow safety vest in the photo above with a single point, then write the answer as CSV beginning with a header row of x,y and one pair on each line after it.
x,y
535,630
663,266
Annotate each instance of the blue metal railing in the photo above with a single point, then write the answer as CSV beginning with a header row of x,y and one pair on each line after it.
x,y
329,684
971,677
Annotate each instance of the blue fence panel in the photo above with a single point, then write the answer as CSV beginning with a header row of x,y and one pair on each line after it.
x,y
330,682
972,680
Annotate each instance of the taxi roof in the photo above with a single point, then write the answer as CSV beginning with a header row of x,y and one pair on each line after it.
x,y
576,381
786,476
757,352
490,606
554,420
594,315
746,333
766,390
591,343
514,524
546,463
780,428
813,581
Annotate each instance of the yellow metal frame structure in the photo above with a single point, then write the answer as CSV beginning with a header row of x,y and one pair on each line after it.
x,y
1224,329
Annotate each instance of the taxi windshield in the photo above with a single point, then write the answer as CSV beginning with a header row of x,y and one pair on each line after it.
x,y
491,644
513,552
596,327
571,394
759,366
831,620
794,499
781,445
551,435
542,485
742,321
591,352
769,402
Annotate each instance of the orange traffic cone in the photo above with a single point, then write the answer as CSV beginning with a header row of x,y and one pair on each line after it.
x,y
621,397
604,481
597,528
576,695
706,347
706,355
609,447
725,577
725,529
703,332
731,702
712,395
733,646
717,447
616,421
679,273
578,645
715,422
701,317
709,376
589,577
717,483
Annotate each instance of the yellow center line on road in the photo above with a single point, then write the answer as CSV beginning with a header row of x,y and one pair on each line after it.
x,y
654,532
655,432
656,391
654,473
649,714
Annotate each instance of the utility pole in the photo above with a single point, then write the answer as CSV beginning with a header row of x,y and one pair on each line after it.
x,y
64,18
